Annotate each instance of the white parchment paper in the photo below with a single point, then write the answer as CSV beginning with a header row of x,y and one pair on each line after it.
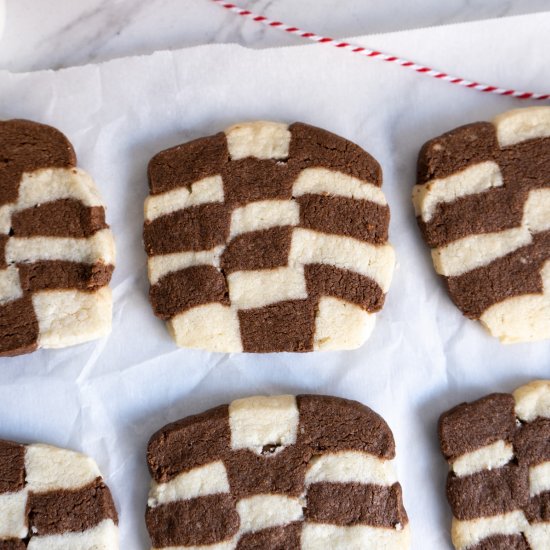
x,y
106,398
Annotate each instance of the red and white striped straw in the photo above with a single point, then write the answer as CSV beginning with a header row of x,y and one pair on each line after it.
x,y
354,48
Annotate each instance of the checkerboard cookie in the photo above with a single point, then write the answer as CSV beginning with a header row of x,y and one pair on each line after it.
x,y
267,237
482,201
309,472
53,499
498,449
56,250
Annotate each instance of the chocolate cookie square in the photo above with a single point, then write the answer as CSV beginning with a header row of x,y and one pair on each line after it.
x,y
267,238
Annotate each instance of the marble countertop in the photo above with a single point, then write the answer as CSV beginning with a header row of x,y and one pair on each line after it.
x,y
62,33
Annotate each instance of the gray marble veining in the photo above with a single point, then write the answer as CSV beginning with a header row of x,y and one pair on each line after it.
x,y
62,33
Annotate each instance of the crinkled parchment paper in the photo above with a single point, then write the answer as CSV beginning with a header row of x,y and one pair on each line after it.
x,y
107,397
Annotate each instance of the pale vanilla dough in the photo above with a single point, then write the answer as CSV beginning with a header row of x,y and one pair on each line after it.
x,y
260,139
259,421
356,537
468,533
204,191
491,456
522,124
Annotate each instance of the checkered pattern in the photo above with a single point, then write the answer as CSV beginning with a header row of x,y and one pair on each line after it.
x,y
52,498
487,220
340,488
257,247
56,251
501,467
